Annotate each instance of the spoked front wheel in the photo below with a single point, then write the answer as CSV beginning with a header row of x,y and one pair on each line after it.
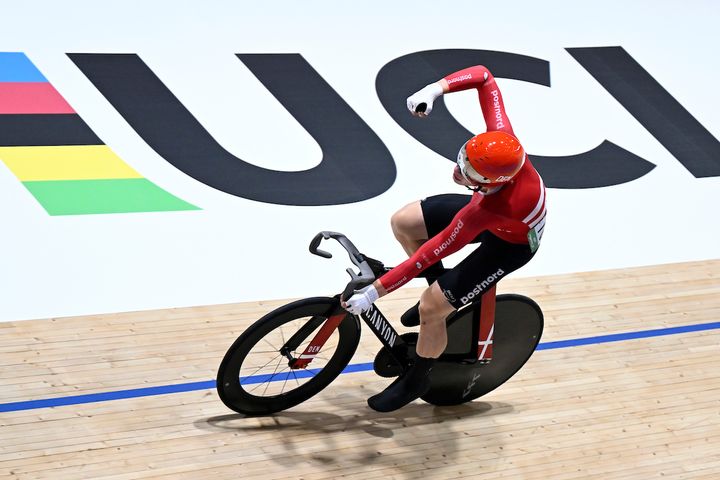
x,y
256,376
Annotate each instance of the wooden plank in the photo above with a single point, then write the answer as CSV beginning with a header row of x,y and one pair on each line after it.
x,y
631,409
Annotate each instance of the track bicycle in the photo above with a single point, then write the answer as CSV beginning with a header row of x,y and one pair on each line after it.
x,y
297,350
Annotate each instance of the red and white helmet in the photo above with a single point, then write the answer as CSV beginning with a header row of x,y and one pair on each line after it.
x,y
491,159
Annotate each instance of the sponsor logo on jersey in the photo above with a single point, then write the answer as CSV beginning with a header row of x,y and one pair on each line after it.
x,y
467,76
396,284
450,239
498,111
482,286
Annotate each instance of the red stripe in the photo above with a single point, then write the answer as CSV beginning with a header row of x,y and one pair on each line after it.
x,y
31,97
487,321
321,337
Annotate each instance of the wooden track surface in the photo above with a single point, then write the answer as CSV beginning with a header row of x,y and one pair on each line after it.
x,y
631,409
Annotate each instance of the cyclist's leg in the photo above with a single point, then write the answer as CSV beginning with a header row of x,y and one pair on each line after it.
x,y
408,226
414,223
434,309
423,220
492,261
415,381
465,283
439,210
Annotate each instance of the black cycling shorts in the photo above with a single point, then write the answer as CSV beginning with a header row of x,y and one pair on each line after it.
x,y
492,260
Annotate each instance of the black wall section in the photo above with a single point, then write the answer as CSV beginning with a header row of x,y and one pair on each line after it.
x,y
668,121
356,165
40,130
607,164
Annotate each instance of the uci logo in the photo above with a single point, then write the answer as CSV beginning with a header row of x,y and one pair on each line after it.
x,y
345,139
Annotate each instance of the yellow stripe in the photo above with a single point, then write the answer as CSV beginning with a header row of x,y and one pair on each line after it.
x,y
81,162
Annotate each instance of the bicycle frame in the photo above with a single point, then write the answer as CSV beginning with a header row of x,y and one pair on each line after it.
x,y
482,333
373,317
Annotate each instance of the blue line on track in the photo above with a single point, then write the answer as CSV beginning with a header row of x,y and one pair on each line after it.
x,y
357,367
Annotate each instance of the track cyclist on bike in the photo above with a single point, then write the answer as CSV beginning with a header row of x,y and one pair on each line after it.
x,y
505,214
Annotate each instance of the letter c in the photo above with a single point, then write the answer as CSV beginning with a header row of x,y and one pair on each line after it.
x,y
605,165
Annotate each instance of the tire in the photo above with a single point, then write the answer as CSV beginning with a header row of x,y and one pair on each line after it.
x,y
254,378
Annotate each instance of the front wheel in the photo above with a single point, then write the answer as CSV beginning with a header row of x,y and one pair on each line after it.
x,y
255,377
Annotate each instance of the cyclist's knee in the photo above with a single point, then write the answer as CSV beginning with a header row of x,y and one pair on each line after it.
x,y
408,222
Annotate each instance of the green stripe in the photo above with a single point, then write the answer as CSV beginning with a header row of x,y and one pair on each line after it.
x,y
80,197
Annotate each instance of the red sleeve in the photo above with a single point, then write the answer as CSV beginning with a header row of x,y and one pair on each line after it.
x,y
491,102
467,224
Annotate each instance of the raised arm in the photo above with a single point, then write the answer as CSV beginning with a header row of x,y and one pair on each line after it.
x,y
477,77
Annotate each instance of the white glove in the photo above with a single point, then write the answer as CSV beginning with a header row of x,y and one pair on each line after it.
x,y
427,96
361,300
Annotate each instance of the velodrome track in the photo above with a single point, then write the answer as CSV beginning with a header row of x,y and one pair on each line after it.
x,y
172,159
624,385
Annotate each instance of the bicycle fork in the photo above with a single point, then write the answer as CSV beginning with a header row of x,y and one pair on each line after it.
x,y
316,344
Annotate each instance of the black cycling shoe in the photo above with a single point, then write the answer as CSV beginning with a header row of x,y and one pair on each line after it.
x,y
413,384
411,318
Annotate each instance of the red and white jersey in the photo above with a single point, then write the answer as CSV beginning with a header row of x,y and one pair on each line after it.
x,y
515,213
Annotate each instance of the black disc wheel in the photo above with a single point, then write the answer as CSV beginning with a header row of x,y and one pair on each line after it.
x,y
255,377
518,328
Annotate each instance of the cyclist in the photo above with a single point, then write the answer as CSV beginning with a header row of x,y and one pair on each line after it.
x,y
505,214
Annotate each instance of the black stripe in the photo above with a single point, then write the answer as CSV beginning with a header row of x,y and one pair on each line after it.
x,y
607,164
45,130
663,116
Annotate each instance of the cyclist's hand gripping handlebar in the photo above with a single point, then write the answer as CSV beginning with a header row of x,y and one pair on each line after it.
x,y
358,280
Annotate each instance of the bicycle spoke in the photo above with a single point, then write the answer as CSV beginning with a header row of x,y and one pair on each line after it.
x,y
287,375
295,377
271,378
271,345
266,383
282,334
282,389
263,366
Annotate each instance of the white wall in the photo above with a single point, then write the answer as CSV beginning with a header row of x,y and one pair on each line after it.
x,y
237,250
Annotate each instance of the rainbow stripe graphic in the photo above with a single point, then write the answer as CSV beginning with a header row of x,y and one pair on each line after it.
x,y
58,158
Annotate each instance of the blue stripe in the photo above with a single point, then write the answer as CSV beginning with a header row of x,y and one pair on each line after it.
x,y
105,396
16,67
357,367
619,337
